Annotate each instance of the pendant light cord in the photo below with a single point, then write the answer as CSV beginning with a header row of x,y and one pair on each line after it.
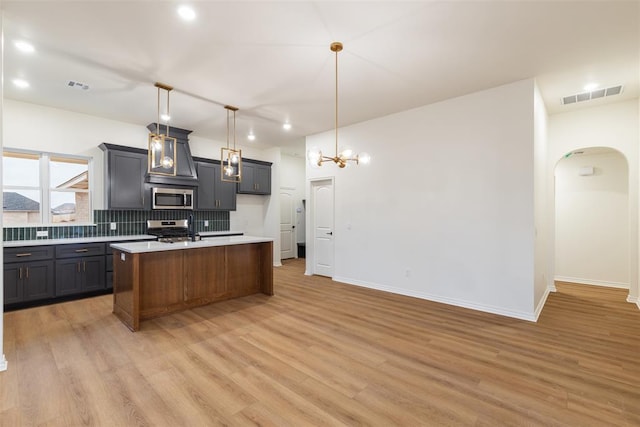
x,y
336,102
158,121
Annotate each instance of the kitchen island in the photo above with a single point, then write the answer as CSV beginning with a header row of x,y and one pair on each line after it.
x,y
152,279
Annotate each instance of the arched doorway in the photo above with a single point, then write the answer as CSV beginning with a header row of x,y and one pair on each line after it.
x,y
592,222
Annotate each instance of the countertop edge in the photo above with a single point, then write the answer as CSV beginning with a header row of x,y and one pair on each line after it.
x,y
69,241
146,247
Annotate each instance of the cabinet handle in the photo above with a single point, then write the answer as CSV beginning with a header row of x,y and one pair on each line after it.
x,y
27,272
23,254
20,273
78,266
84,266
82,250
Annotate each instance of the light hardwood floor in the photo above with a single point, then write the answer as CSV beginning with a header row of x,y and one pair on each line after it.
x,y
323,353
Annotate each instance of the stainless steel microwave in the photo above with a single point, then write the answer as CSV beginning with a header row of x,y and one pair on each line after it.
x,y
172,198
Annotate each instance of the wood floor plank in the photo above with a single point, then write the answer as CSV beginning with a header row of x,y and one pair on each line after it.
x,y
319,352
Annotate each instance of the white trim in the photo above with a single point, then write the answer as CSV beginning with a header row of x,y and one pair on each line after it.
x,y
277,264
580,281
531,317
3,364
633,300
552,287
542,302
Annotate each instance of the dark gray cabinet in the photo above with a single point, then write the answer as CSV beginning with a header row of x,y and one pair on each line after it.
x,y
34,275
28,274
28,281
124,179
80,268
212,192
256,178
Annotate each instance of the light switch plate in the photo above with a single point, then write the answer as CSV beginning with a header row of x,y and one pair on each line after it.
x,y
42,233
206,223
112,226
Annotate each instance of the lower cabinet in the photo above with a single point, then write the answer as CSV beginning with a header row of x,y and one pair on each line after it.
x,y
28,274
82,274
28,281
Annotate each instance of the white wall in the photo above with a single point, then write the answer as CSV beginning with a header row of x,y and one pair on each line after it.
x,y
293,178
592,220
35,127
543,268
3,360
445,211
615,126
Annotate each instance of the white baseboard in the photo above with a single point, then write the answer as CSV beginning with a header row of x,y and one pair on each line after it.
x,y
543,301
592,282
552,288
531,317
3,364
277,264
634,300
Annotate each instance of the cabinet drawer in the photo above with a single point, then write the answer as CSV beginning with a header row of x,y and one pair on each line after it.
x,y
28,253
81,249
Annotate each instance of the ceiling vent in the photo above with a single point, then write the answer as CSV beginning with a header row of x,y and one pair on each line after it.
x,y
594,94
78,85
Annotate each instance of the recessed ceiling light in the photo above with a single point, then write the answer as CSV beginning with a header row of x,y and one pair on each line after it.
x,y
251,137
24,46
22,84
187,13
590,86
286,126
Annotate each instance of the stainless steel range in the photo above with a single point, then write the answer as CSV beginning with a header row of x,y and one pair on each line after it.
x,y
169,231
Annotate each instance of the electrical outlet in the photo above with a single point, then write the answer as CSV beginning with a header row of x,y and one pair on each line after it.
x,y
206,223
112,226
42,233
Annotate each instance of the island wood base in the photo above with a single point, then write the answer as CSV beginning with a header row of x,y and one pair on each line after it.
x,y
152,284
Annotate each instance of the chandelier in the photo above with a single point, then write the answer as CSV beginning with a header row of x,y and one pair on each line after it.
x,y
162,147
342,158
231,158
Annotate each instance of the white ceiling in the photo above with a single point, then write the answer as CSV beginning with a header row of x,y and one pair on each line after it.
x,y
272,59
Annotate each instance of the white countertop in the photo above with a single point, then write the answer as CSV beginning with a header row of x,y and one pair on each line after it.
x,y
219,233
44,242
143,247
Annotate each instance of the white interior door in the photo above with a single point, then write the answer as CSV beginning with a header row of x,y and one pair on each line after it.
x,y
287,226
322,193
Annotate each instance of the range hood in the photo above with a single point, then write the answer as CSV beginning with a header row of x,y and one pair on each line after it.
x,y
186,174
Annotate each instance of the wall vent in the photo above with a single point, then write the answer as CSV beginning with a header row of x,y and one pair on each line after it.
x,y
78,85
594,94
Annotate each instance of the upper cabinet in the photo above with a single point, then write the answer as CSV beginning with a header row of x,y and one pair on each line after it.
x,y
125,170
212,192
256,177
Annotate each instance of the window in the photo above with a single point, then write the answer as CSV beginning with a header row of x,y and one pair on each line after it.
x,y
45,188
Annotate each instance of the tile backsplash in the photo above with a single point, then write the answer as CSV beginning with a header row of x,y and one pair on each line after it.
x,y
128,222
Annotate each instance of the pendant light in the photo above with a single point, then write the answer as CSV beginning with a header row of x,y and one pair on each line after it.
x,y
162,147
231,158
315,156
